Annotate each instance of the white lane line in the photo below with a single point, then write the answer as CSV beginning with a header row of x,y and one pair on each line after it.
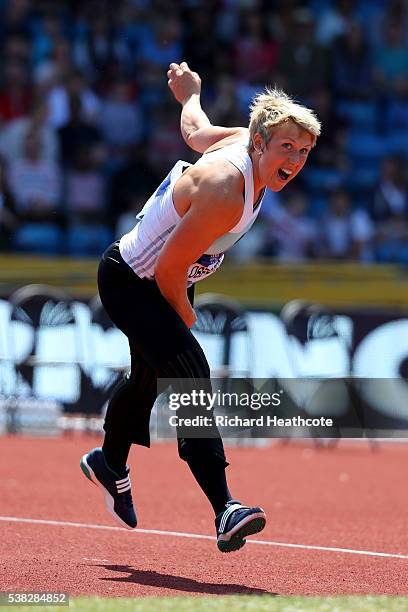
x,y
198,536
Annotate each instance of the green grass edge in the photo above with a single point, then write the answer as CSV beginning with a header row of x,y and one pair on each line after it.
x,y
224,603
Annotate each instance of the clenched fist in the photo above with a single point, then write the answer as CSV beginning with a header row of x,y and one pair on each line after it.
x,y
183,82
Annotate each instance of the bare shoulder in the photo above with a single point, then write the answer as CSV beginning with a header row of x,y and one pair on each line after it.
x,y
219,179
213,187
239,135
219,194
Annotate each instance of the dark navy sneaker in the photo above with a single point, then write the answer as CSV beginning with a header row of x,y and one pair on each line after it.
x,y
235,523
116,487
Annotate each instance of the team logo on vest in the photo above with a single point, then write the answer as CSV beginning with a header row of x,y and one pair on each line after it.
x,y
204,266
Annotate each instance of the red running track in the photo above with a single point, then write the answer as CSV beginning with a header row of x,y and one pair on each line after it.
x,y
350,498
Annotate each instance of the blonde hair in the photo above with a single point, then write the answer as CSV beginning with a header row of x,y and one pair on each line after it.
x,y
274,107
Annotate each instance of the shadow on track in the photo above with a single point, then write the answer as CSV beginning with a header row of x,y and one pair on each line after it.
x,y
178,583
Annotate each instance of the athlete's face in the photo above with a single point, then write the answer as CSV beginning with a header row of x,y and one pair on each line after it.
x,y
284,156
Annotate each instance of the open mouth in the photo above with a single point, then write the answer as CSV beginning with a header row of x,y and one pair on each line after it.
x,y
284,174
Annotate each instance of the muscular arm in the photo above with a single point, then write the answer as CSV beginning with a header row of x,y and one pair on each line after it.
x,y
216,206
195,126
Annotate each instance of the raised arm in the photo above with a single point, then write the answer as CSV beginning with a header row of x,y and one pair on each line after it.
x,y
195,126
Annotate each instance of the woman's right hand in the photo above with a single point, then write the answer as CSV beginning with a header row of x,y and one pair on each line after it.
x,y
183,82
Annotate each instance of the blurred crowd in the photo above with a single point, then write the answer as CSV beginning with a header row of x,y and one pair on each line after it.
x,y
88,127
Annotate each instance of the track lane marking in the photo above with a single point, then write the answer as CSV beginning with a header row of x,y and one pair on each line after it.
x,y
198,536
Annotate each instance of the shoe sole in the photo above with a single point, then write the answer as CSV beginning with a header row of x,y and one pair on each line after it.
x,y
109,501
248,526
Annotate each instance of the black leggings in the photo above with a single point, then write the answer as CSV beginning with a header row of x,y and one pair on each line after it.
x,y
161,346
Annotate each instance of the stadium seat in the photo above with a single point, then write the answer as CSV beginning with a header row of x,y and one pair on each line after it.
x,y
89,240
366,145
317,206
317,178
398,142
42,238
392,252
366,10
361,114
363,174
396,115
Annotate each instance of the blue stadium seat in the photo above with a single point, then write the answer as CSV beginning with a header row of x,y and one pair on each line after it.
x,y
363,174
396,116
367,9
319,6
360,114
366,145
88,239
398,142
318,178
392,252
43,238
317,206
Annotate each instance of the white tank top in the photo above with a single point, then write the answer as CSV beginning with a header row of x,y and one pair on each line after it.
x,y
141,247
